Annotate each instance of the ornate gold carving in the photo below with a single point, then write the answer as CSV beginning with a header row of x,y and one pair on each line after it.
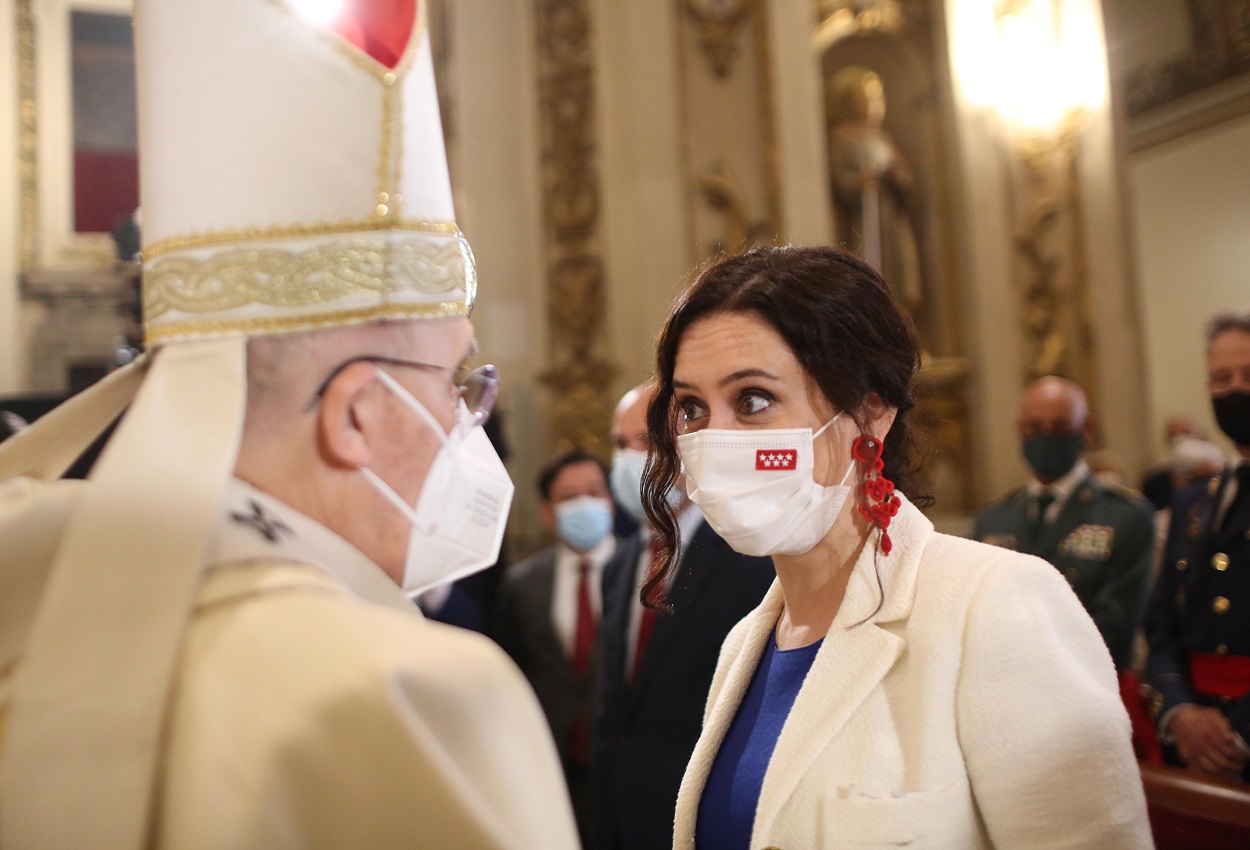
x,y
1049,244
718,22
722,193
28,139
942,415
580,376
319,275
1219,50
839,19
294,231
775,226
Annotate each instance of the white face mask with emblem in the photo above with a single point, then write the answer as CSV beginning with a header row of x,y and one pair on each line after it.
x,y
757,490
459,518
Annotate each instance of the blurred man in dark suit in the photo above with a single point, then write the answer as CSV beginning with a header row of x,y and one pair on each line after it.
x,y
657,670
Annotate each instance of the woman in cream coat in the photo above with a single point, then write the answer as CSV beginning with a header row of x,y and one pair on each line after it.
x,y
949,694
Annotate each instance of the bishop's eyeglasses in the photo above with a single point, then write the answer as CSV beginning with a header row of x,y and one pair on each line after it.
x,y
477,388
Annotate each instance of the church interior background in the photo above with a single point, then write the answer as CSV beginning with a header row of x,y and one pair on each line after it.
x,y
1051,186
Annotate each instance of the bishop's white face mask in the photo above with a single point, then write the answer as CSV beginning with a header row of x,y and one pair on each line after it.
x,y
459,519
756,489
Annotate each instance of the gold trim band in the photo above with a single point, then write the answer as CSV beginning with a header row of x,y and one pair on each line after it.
x,y
295,231
323,274
174,331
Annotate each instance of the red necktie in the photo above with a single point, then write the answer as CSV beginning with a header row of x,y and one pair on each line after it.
x,y
583,646
584,640
646,621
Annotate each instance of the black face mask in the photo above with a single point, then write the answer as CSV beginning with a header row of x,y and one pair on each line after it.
x,y
1053,455
1232,413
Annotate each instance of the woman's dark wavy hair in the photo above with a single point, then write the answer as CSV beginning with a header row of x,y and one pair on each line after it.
x,y
842,324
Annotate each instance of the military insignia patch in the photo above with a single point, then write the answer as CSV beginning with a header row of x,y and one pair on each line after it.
x,y
1004,541
1091,542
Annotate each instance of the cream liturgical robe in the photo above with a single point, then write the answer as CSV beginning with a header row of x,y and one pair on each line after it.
x,y
976,708
313,706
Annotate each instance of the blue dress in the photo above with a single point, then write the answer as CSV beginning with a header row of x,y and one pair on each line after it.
x,y
727,807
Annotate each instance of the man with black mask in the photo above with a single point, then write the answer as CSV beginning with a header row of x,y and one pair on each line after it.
x,y
1198,624
1100,537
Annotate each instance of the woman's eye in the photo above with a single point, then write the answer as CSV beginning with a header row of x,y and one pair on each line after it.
x,y
752,403
690,410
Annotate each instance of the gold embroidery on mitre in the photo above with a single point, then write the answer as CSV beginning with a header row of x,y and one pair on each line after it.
x,y
322,274
296,231
390,154
158,334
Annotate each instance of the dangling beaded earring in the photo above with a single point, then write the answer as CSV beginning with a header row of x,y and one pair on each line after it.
x,y
878,504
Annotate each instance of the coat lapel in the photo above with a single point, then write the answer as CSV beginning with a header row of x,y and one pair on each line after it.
x,y
1226,532
694,569
538,589
856,655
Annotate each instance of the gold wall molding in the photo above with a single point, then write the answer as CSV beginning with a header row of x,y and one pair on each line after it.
x,y
580,377
1050,248
28,139
719,21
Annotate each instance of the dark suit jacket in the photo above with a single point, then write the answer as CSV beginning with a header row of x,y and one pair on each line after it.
x,y
1201,567
525,631
648,728
1103,543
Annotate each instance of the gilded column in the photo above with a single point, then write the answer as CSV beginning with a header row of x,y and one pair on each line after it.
x,y
580,377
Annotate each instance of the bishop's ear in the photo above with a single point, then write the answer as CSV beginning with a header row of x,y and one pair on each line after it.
x,y
351,409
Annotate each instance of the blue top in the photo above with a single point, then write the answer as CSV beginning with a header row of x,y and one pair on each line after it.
x,y
727,808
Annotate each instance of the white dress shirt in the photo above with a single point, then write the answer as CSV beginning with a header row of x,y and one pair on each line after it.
x,y
1061,488
564,602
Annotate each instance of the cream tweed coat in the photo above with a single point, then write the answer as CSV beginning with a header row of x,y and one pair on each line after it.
x,y
977,708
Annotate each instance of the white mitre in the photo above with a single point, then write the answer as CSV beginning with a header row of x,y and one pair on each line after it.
x,y
293,177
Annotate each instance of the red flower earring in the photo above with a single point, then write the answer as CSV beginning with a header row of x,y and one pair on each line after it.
x,y
878,504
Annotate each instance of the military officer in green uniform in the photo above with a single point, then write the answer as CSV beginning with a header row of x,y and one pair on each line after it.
x,y
1100,537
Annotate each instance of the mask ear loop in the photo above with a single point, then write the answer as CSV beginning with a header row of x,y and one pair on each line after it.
x,y
823,428
418,408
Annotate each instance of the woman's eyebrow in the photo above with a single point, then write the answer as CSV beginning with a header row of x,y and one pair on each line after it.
x,y
729,379
747,373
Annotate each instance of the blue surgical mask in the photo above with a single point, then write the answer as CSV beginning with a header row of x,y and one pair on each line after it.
x,y
584,521
626,482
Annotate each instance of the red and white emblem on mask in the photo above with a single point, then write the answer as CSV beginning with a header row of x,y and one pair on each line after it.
x,y
776,458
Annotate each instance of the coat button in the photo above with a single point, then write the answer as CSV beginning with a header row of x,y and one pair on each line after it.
x,y
1220,604
1220,561
1181,565
1221,649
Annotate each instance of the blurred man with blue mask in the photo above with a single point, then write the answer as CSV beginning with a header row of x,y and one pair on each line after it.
x,y
1101,537
550,608
210,642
